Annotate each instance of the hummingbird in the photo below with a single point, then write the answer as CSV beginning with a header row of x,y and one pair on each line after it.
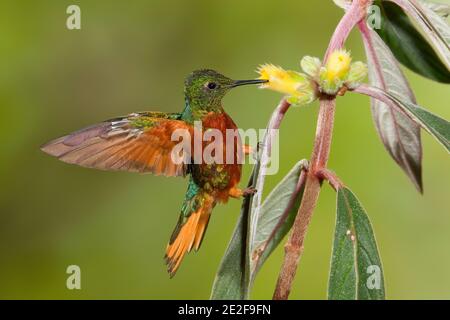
x,y
141,142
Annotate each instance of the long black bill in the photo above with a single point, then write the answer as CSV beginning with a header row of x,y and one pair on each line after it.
x,y
238,83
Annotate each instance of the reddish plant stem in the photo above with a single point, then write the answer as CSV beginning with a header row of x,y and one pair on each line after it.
x,y
381,95
319,159
324,133
294,246
331,177
355,13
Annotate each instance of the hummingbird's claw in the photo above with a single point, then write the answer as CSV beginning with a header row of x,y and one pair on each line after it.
x,y
249,191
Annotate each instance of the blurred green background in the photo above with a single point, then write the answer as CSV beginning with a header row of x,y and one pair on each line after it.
x,y
132,56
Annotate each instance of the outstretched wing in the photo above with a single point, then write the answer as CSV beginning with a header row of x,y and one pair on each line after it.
x,y
140,142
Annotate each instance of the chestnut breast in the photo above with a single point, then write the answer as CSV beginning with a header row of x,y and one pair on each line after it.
x,y
220,169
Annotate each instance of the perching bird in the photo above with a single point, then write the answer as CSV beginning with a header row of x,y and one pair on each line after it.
x,y
142,142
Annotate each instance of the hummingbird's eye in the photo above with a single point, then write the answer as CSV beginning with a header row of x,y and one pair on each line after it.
x,y
211,85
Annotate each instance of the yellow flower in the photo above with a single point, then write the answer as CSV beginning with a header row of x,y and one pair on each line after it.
x,y
338,65
295,84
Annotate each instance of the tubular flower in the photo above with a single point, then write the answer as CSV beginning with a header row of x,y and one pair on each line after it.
x,y
296,85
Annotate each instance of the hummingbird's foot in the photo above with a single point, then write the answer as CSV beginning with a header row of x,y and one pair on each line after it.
x,y
249,191
235,193
239,193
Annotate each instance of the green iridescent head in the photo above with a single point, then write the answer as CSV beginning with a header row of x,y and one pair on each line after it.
x,y
204,89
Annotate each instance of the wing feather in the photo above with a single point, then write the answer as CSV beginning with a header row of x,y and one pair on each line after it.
x,y
137,143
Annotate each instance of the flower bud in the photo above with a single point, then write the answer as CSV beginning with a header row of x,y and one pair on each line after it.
x,y
357,73
338,65
311,66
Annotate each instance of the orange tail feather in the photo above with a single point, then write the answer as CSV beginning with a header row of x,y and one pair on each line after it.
x,y
188,235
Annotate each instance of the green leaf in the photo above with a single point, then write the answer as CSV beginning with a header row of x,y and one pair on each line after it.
x,y
431,19
442,9
229,283
277,214
436,126
356,270
409,46
398,132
